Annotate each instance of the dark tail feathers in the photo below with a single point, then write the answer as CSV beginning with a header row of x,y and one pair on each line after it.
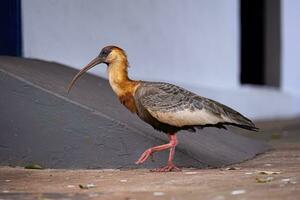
x,y
250,128
222,126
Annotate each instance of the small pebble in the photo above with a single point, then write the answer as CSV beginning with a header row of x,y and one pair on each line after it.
x,y
249,173
123,181
7,180
232,168
264,180
5,191
158,193
268,165
87,186
237,192
268,172
191,173
71,186
90,185
288,180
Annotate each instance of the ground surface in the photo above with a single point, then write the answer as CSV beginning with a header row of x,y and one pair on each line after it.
x,y
244,181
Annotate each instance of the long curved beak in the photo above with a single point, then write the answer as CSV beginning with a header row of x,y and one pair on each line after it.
x,y
93,63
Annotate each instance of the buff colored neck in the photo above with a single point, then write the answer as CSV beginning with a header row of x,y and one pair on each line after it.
x,y
118,77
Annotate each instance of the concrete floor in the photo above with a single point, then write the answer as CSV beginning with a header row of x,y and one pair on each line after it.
x,y
245,181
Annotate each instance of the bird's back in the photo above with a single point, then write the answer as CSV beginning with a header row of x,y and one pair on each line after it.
x,y
168,108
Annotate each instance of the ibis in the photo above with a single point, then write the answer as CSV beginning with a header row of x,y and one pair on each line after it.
x,y
166,107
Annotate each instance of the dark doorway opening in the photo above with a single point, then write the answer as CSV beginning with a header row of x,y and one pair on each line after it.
x,y
260,42
11,32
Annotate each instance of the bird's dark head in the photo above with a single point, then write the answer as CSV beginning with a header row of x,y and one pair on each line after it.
x,y
108,55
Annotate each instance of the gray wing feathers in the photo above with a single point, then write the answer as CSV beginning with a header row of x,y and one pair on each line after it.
x,y
165,97
234,116
176,106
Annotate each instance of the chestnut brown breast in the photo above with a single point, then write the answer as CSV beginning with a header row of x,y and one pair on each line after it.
x,y
128,101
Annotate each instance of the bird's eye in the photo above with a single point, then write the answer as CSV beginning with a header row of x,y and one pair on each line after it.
x,y
104,53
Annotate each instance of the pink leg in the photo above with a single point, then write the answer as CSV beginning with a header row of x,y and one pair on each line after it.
x,y
171,145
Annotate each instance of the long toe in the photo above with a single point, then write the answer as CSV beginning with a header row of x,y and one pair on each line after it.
x,y
144,157
168,168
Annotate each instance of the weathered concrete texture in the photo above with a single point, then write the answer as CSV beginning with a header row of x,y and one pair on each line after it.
x,y
89,128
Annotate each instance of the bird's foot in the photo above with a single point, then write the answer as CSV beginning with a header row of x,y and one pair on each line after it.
x,y
144,156
168,168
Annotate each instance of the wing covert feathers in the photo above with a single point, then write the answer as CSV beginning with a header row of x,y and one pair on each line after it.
x,y
179,107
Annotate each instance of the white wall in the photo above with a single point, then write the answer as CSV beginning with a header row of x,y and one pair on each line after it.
x,y
183,41
193,43
291,46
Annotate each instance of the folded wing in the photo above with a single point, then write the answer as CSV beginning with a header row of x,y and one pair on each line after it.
x,y
178,107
